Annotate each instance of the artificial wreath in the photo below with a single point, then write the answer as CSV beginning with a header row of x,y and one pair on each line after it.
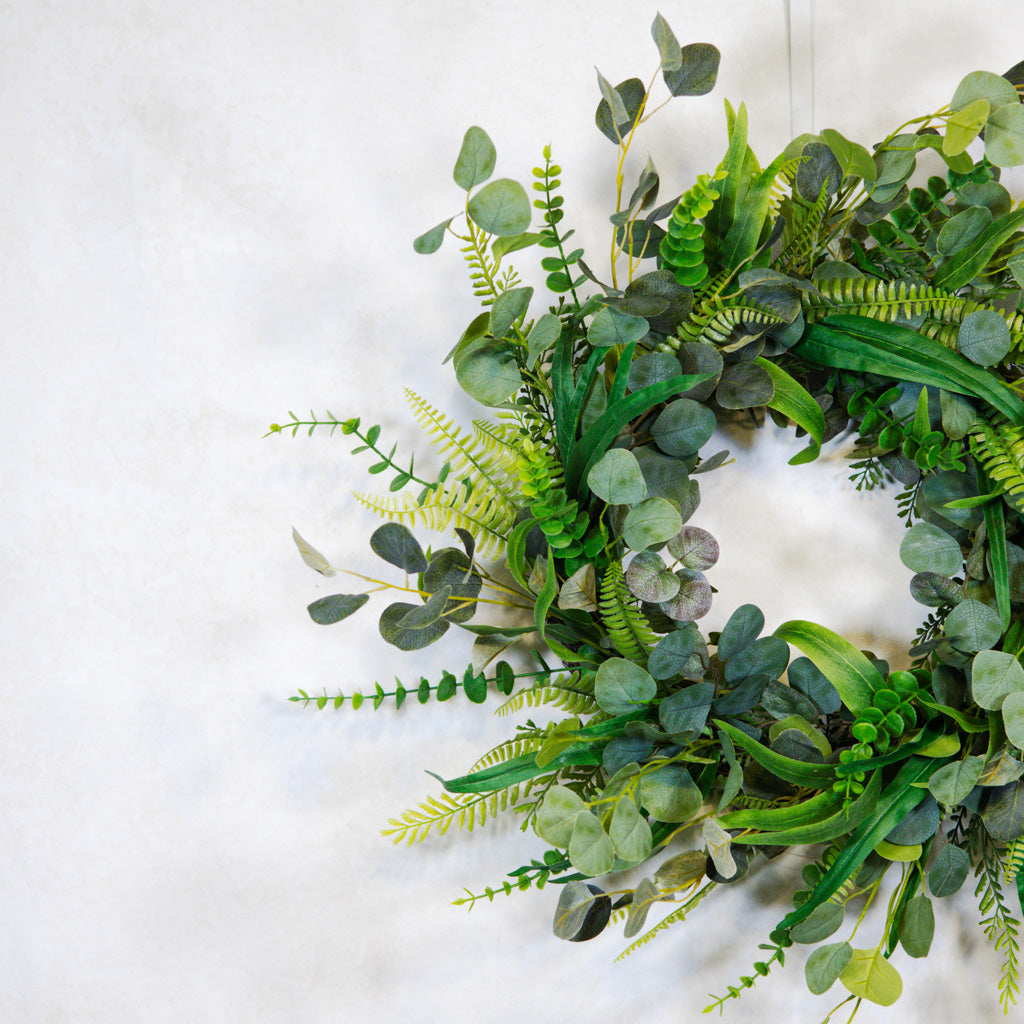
x,y
834,289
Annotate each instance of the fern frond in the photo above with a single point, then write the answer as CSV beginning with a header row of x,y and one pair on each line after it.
x,y
467,810
482,512
567,693
627,627
468,454
1000,448
509,749
803,230
782,186
484,267
677,915
888,299
1014,860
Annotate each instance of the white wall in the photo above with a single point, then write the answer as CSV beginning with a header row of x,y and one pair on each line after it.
x,y
206,210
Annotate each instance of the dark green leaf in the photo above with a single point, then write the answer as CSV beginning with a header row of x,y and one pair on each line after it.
x,y
949,871
697,71
408,639
508,308
631,95
825,964
687,709
395,544
336,607
1003,813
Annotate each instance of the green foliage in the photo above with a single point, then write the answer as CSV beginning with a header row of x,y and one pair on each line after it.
x,y
822,290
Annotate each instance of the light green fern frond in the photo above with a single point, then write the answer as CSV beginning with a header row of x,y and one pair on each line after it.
x,y
468,454
802,234
483,512
510,749
1014,859
1000,448
567,693
466,810
627,628
675,917
782,186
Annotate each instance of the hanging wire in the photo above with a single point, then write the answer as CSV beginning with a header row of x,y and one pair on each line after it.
x,y
800,55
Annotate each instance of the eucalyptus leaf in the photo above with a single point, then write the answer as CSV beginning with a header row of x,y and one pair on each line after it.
x,y
697,71
430,241
744,386
949,871
1003,813
670,794
617,478
395,543
501,207
610,327
488,372
621,686
927,548
557,814
973,626
630,833
825,965
687,709
819,169
328,610
312,557
631,95
475,163
742,629
870,976
683,427
408,639
930,589
918,826
805,677
650,523
426,614
668,46
1004,135
648,579
590,848
695,548
952,783
693,600
1013,718
917,926
994,676
508,308
582,912
671,653
984,336
823,921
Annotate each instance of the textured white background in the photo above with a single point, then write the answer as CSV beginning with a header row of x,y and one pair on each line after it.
x,y
206,211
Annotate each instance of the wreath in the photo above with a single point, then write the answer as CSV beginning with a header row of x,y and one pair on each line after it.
x,y
835,290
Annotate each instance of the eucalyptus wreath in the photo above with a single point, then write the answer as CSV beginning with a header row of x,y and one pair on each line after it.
x,y
840,290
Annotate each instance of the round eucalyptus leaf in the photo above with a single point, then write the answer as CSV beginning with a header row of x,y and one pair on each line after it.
x,y
621,686
697,71
742,698
652,368
630,833
662,285
427,614
670,794
959,231
825,964
671,653
805,677
983,85
545,333
332,609
695,548
917,826
1013,718
508,307
797,745
396,544
939,489
742,629
610,327
682,870
693,600
650,523
450,567
501,208
949,871
624,750
697,358
430,241
994,676
818,169
1015,556
933,590
973,626
962,128
488,373
666,478
952,783
958,415
616,478
984,336
744,386
917,926
687,709
781,701
683,427
582,912
927,548
1004,135
1003,813
475,163
870,976
648,579
408,639
823,921
769,655
557,814
590,848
